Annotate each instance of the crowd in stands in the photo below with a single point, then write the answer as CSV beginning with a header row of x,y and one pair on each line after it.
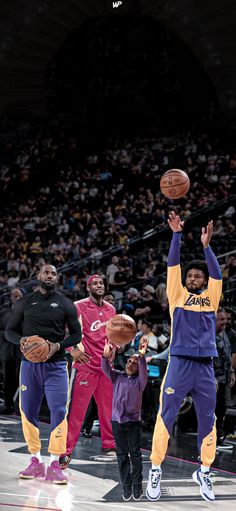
x,y
62,208
95,213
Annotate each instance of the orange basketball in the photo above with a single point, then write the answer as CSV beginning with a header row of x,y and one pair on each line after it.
x,y
174,184
36,349
121,329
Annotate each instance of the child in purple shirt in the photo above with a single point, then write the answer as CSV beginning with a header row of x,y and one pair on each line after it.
x,y
128,387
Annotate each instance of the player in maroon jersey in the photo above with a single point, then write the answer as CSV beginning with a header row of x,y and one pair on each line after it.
x,y
93,313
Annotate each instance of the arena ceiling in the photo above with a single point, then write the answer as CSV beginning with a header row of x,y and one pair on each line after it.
x,y
33,30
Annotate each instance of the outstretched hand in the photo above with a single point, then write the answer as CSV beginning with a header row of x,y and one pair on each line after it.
x,y
143,345
109,351
207,234
175,222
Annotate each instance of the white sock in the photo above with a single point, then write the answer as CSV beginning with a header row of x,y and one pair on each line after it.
x,y
205,469
38,456
54,457
156,467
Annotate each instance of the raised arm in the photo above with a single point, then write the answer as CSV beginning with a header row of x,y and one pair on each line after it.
x,y
215,277
143,373
107,358
174,283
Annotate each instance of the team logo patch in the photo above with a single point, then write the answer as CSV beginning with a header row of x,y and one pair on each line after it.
x,y
59,433
96,325
169,391
83,382
54,305
23,387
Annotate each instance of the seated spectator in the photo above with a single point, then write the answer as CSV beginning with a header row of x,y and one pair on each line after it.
x,y
148,305
120,279
229,268
132,299
111,270
148,334
161,296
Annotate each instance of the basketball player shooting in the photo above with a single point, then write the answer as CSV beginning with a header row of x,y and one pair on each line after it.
x,y
45,313
193,310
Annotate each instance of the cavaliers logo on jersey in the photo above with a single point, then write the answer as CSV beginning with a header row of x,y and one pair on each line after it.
x,y
96,325
197,300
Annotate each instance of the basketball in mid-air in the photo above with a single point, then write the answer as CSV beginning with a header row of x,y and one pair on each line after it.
x,y
174,184
121,329
36,349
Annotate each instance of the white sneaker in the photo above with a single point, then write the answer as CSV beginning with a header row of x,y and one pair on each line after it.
x,y
153,491
205,483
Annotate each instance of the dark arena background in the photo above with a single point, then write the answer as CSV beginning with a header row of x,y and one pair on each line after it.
x,y
98,99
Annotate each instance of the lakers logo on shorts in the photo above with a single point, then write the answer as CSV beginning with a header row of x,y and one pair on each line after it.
x,y
23,387
169,391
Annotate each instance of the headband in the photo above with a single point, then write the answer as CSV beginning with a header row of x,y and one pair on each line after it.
x,y
95,276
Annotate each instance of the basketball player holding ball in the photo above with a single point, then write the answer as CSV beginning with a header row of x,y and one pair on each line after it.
x,y
89,380
193,310
45,313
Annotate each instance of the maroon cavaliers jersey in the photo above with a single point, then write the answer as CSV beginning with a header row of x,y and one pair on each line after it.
x,y
93,319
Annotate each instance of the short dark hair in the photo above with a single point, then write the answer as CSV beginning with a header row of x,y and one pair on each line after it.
x,y
230,310
197,264
109,293
147,321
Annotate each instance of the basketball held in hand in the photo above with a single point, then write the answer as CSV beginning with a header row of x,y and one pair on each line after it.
x,y
121,329
36,349
174,184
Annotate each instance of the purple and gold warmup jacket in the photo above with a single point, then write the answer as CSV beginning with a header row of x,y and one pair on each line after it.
x,y
193,316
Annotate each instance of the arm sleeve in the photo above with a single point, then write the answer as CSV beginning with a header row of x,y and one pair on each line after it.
x,y
174,284
106,368
215,277
143,373
14,324
73,326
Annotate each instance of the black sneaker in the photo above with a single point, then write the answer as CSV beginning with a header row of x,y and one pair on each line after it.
x,y
127,493
64,461
137,491
86,433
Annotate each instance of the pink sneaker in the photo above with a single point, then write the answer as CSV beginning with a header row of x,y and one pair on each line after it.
x,y
34,470
55,474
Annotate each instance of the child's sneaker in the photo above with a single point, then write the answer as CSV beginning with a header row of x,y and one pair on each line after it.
x,y
127,493
55,474
137,491
34,470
